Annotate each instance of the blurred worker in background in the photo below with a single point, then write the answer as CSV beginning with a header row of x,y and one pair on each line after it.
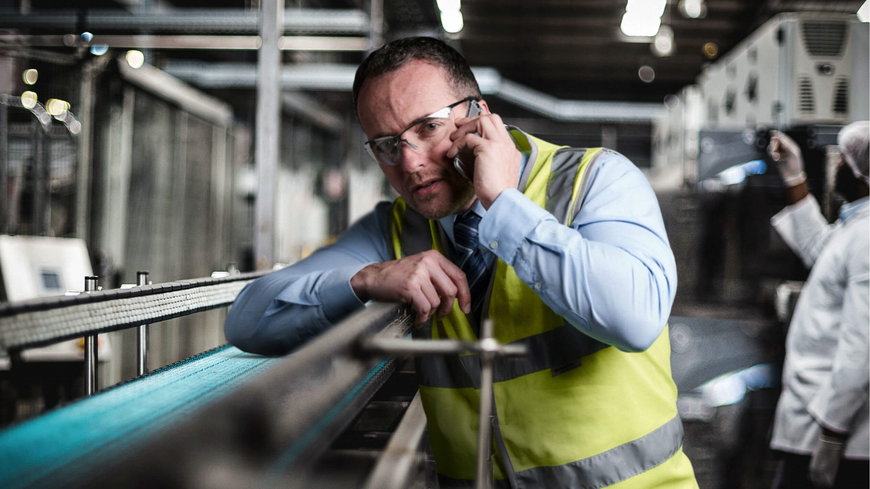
x,y
821,424
565,251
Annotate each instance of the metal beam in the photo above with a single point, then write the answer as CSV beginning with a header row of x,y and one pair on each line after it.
x,y
340,78
175,90
218,21
214,42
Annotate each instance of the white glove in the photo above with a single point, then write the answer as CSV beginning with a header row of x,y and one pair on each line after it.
x,y
787,155
825,460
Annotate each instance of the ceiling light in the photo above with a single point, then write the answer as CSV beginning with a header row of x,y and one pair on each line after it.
x,y
864,12
634,25
649,8
451,21
642,18
29,99
135,58
693,9
646,74
663,44
30,76
710,50
56,107
444,5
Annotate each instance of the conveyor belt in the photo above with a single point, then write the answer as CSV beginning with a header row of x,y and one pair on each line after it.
x,y
70,441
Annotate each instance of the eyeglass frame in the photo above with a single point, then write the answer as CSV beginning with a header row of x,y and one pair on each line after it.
x,y
398,137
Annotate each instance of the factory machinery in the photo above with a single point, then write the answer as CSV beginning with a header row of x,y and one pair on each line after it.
x,y
340,412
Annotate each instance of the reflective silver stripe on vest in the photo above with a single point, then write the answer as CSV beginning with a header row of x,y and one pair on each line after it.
x,y
559,350
563,171
614,465
602,470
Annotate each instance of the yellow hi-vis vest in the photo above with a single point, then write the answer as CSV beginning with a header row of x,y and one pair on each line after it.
x,y
574,412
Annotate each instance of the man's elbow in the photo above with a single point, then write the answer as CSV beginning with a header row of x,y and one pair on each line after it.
x,y
640,331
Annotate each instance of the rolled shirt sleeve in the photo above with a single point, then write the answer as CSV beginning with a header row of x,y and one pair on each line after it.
x,y
612,273
280,311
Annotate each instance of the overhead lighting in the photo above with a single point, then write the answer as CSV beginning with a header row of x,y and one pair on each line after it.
x,y
30,76
639,25
864,12
663,43
451,15
451,21
693,9
29,99
57,107
135,58
642,18
646,74
710,50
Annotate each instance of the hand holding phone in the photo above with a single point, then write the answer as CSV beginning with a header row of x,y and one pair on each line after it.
x,y
465,171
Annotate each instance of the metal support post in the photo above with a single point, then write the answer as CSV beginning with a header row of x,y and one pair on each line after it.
x,y
268,130
90,347
489,349
489,346
142,339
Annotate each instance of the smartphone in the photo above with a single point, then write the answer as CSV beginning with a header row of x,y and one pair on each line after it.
x,y
473,110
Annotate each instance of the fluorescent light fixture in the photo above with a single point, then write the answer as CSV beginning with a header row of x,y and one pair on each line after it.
x,y
646,74
135,58
693,9
30,76
642,18
864,12
650,8
445,5
29,99
451,21
634,25
663,44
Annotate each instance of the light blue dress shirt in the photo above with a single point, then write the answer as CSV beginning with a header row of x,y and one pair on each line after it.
x,y
611,274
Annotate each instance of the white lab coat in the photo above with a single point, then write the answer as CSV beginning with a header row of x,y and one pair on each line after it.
x,y
826,372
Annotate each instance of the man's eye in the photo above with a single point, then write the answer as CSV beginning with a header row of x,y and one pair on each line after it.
x,y
386,145
430,127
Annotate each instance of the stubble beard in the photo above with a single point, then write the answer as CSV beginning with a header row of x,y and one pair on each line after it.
x,y
433,208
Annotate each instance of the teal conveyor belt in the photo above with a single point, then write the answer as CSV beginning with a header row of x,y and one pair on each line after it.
x,y
76,438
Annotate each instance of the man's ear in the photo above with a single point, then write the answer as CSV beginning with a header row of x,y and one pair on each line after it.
x,y
484,108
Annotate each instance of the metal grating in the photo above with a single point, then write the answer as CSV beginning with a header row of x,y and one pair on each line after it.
x,y
806,100
841,96
824,38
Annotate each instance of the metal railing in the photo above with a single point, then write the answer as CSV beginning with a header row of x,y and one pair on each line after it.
x,y
291,412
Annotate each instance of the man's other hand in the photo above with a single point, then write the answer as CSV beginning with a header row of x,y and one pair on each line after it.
x,y
428,281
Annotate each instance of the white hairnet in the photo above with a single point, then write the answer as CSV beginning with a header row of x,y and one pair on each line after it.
x,y
854,142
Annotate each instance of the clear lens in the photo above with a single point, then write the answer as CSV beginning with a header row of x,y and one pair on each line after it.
x,y
422,135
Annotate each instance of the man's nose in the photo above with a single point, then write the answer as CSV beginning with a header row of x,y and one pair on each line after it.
x,y
410,156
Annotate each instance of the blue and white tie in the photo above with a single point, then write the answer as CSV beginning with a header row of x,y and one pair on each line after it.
x,y
469,257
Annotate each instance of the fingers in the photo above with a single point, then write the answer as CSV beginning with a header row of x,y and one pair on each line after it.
x,y
428,281
474,130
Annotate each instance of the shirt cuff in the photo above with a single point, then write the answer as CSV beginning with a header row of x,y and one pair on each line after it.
x,y
510,218
806,206
336,296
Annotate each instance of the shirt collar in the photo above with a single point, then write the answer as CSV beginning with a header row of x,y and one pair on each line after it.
x,y
851,209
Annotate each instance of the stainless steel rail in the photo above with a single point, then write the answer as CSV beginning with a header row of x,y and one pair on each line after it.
x,y
43,321
269,431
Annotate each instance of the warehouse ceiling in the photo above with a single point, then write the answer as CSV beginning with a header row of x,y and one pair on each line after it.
x,y
570,49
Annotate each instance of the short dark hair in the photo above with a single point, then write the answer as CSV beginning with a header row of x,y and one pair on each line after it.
x,y
395,54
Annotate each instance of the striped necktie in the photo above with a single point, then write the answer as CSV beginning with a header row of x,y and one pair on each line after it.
x,y
469,257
